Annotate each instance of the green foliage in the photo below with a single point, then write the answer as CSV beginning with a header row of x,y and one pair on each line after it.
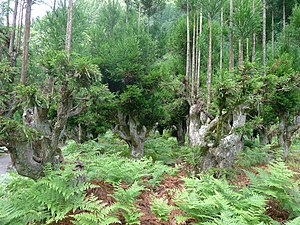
x,y
207,199
295,221
12,129
102,162
283,86
49,32
114,169
245,22
276,183
163,149
242,87
98,213
46,200
253,156
161,208
125,202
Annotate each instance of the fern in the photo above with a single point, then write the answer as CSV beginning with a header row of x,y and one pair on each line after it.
x,y
46,200
95,213
161,209
277,183
295,221
125,202
114,169
208,198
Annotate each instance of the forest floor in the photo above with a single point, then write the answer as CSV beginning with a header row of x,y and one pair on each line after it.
x,y
166,189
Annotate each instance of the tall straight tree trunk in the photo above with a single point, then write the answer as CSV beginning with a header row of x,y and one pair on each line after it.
x,y
54,5
231,53
264,37
199,56
247,48
196,52
273,30
253,35
26,42
7,14
221,44
1,51
187,70
20,27
241,52
193,60
209,63
127,11
139,16
12,35
69,29
283,15
148,24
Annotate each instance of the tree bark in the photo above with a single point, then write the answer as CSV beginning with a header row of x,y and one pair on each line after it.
x,y
223,154
62,113
286,131
148,16
273,30
199,57
30,155
253,35
283,15
139,16
264,37
209,63
200,123
20,27
26,42
187,70
241,53
130,130
263,136
231,53
180,132
221,44
54,5
22,155
193,60
7,14
12,36
247,49
69,29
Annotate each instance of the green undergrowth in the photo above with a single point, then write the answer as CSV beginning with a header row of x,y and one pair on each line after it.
x,y
61,194
214,201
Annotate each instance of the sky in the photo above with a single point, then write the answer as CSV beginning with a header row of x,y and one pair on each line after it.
x,y
40,9
37,10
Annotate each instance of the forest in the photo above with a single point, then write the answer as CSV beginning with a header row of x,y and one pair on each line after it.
x,y
152,112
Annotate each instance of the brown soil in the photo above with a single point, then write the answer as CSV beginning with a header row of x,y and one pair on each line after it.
x,y
276,212
166,189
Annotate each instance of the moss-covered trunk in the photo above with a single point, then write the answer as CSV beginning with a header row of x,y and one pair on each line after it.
x,y
130,130
218,137
286,130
